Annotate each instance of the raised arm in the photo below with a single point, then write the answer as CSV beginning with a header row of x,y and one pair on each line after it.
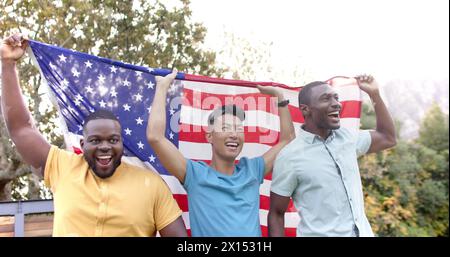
x,y
287,132
170,157
29,142
384,135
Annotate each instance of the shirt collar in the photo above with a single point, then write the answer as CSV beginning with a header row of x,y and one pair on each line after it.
x,y
311,138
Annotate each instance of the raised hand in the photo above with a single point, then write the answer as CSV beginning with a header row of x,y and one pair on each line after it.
x,y
165,82
269,90
13,48
368,84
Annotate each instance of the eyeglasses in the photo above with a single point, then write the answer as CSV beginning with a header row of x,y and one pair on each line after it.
x,y
228,129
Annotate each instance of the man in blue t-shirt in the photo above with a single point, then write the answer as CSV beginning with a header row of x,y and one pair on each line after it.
x,y
223,197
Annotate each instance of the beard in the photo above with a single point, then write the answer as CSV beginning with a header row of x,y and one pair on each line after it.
x,y
325,124
93,166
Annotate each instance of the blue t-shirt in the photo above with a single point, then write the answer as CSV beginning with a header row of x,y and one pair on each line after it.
x,y
224,205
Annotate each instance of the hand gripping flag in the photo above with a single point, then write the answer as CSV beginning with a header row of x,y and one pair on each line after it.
x,y
80,83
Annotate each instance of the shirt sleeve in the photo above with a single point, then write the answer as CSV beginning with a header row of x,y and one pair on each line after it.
x,y
166,209
259,167
284,180
363,142
190,178
57,165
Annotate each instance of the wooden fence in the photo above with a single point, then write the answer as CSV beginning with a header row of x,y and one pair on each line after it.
x,y
26,218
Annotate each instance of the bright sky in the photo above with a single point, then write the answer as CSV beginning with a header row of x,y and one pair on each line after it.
x,y
391,39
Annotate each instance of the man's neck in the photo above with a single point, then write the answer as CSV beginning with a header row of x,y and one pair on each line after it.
x,y
223,166
323,133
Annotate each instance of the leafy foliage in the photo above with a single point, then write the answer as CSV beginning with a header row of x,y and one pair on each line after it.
x,y
406,188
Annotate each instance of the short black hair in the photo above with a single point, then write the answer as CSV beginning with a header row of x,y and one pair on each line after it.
x,y
304,97
226,109
100,114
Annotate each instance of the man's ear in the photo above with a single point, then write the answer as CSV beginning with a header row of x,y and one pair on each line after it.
x,y
305,110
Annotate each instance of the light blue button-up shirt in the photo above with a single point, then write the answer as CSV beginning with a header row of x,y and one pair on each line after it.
x,y
323,179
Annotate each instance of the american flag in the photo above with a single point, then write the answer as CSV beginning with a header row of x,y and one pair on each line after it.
x,y
80,83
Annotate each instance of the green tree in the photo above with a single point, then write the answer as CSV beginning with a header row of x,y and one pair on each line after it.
x,y
368,119
433,155
406,188
144,33
433,204
433,132
389,194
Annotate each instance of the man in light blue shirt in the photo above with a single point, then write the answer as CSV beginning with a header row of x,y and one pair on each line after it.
x,y
319,169
223,197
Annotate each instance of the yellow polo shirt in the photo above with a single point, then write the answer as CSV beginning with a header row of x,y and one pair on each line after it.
x,y
132,202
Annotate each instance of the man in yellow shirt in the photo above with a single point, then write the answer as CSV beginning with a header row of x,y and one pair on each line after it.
x,y
94,194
